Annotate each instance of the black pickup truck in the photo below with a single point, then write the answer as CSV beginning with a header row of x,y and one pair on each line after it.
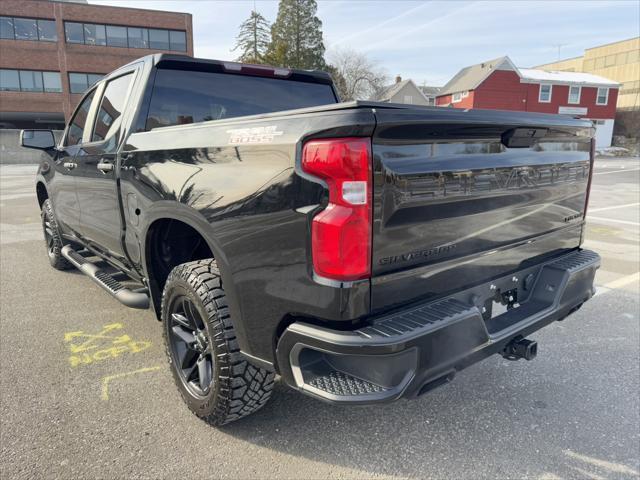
x,y
362,251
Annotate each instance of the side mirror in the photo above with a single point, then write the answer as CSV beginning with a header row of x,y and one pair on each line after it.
x,y
39,139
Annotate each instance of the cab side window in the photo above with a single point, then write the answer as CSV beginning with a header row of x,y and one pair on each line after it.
x,y
109,114
78,123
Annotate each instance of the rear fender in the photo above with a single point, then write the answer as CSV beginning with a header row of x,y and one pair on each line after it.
x,y
163,210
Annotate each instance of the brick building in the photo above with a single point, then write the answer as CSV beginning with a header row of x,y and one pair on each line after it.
x,y
499,84
619,61
52,51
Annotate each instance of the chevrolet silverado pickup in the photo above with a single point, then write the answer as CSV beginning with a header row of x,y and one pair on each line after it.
x,y
362,251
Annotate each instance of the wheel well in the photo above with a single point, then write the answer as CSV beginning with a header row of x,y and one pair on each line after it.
x,y
41,192
169,243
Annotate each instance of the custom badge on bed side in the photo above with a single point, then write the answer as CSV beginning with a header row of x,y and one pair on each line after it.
x,y
253,135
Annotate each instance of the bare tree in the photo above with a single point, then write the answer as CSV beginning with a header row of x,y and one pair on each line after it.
x,y
360,78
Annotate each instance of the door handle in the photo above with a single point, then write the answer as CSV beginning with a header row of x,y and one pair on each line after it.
x,y
105,167
69,165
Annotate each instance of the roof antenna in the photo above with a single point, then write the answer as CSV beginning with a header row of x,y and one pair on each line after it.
x,y
559,46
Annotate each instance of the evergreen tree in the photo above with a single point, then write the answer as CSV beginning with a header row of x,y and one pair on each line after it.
x,y
296,36
253,39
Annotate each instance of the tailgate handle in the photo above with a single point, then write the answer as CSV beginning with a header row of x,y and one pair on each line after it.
x,y
522,137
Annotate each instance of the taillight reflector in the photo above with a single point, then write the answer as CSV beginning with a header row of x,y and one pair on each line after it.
x,y
341,233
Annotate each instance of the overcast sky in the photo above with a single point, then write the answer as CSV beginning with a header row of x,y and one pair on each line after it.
x,y
428,41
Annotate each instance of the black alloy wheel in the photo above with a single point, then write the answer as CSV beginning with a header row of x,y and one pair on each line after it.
x,y
52,237
215,380
48,236
190,347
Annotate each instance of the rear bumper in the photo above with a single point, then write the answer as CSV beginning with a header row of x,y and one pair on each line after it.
x,y
407,352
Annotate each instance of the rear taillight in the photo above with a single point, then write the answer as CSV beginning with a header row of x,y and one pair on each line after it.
x,y
341,233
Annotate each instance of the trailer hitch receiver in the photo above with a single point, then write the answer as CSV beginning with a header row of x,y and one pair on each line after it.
x,y
520,348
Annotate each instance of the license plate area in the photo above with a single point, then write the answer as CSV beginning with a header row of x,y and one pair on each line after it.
x,y
500,304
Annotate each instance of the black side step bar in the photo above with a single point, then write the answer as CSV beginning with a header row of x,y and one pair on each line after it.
x,y
130,298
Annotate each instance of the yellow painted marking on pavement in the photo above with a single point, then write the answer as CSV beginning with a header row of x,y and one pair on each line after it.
x,y
604,230
623,282
87,345
108,378
105,329
96,347
605,465
622,170
614,207
612,220
549,476
585,474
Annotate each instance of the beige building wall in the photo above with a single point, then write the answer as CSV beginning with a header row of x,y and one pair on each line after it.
x,y
618,61
567,65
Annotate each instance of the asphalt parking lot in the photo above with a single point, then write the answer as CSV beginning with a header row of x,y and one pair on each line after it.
x,y
85,390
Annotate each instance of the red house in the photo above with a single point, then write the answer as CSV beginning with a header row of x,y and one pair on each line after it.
x,y
498,84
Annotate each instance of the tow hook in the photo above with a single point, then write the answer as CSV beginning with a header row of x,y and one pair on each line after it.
x,y
520,348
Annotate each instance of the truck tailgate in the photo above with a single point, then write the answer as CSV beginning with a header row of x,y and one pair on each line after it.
x,y
455,206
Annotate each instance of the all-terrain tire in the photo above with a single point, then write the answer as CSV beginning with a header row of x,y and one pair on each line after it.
x,y
237,387
52,237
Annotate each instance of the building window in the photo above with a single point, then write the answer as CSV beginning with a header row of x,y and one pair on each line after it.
x,y
574,94
79,82
25,28
30,81
51,82
9,81
408,99
177,41
545,93
138,37
73,32
465,94
159,39
47,31
117,36
457,97
603,96
6,28
28,29
94,34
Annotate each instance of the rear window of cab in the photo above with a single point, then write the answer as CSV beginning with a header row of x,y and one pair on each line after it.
x,y
182,97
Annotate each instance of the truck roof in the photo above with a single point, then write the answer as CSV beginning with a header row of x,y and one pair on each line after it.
x,y
184,62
